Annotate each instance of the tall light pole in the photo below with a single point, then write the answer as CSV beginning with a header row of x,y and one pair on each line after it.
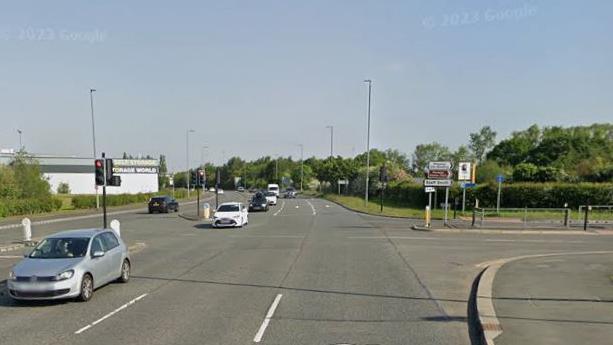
x,y
91,103
187,157
331,141
20,145
301,165
368,142
202,154
276,168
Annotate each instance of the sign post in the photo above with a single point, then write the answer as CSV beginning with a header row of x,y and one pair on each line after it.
x,y
499,179
464,174
446,205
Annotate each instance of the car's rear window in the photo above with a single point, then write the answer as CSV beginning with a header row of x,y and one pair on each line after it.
x,y
158,199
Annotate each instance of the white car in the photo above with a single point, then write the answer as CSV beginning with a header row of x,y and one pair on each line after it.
x,y
212,189
219,191
231,214
273,187
271,197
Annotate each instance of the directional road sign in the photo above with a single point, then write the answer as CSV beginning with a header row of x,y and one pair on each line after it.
x,y
437,183
439,166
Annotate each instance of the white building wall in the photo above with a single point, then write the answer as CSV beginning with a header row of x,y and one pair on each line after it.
x,y
81,183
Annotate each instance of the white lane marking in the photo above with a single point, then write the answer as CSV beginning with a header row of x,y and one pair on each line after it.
x,y
110,314
456,239
11,256
297,206
327,206
312,207
281,209
137,247
271,312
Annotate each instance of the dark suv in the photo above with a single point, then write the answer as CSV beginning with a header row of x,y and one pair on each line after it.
x,y
258,202
163,204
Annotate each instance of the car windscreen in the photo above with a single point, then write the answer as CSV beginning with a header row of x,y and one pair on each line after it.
x,y
60,248
158,199
273,188
228,208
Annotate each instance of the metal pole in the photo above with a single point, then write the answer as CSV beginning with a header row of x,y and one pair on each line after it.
x,y
104,193
187,177
463,199
301,165
368,142
498,198
277,169
331,141
91,103
585,220
20,144
430,200
446,204
381,201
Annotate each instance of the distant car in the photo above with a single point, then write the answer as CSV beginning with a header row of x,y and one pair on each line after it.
x,y
289,194
271,197
212,189
163,204
230,214
240,189
70,264
253,190
258,202
273,187
219,191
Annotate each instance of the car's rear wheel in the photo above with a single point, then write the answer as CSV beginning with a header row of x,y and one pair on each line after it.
x,y
125,272
87,288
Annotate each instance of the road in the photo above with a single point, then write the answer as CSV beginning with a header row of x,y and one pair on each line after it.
x,y
306,272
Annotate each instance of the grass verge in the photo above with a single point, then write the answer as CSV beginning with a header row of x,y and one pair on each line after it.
x,y
389,209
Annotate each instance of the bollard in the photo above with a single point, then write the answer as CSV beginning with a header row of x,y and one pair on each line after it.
x,y
116,226
27,230
427,217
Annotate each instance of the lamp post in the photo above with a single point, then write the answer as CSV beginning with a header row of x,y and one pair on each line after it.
x,y
301,165
20,145
91,103
368,142
331,140
187,176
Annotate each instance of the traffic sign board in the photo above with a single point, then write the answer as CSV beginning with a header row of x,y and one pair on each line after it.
x,y
437,183
464,171
439,174
430,189
467,185
500,178
439,166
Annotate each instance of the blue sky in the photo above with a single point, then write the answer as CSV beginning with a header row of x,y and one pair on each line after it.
x,y
257,78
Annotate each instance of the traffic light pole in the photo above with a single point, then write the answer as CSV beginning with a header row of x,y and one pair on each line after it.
x,y
197,202
104,194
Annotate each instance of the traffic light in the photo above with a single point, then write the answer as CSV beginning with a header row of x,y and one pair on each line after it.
x,y
99,172
383,174
193,178
217,178
200,178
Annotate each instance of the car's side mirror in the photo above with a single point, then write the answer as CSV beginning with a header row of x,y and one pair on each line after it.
x,y
98,254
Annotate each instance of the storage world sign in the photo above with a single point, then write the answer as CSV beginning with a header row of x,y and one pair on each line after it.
x,y
135,166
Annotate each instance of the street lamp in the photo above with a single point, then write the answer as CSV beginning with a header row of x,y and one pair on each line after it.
x,y
276,168
187,157
331,141
202,154
91,104
301,165
20,145
368,142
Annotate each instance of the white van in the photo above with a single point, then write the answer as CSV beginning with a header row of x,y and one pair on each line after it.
x,y
273,187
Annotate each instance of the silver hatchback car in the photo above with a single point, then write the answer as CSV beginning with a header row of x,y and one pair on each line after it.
x,y
70,264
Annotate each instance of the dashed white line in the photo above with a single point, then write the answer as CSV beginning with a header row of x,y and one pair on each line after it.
x,y
271,312
11,256
110,314
312,207
281,209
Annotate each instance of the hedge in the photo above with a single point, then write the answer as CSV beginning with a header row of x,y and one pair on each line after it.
x,y
515,195
16,207
89,201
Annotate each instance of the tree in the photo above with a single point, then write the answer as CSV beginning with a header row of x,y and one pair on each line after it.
x,y
425,153
482,141
525,172
29,177
63,188
462,154
488,170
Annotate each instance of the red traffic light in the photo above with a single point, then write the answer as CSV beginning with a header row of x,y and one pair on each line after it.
x,y
98,163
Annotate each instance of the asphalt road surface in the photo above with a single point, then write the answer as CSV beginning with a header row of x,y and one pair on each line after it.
x,y
306,272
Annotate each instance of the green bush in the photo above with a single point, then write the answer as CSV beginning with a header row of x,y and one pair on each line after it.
x,y
15,207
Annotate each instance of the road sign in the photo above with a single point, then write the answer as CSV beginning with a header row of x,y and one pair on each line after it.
x,y
439,174
464,170
500,178
439,166
343,182
437,183
430,189
467,185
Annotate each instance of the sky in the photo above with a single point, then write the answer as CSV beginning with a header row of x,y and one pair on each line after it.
x,y
255,78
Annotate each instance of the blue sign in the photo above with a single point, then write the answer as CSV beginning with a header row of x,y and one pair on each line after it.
x,y
500,178
468,185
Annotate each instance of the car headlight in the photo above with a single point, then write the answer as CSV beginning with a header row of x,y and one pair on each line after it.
x,y
263,205
65,275
12,276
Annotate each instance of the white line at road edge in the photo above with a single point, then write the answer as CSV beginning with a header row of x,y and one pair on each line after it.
x,y
281,209
485,291
312,207
110,314
271,312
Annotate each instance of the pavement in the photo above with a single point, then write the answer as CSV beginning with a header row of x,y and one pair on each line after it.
x,y
563,299
306,272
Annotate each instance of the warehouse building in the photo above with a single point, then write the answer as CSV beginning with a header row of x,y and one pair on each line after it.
x,y
137,175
